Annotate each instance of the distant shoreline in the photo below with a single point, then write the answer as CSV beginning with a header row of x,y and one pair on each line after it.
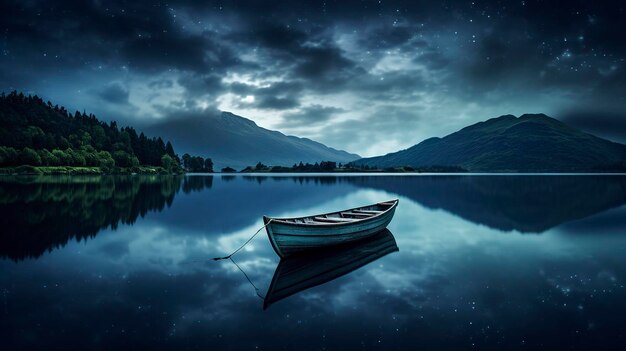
x,y
69,170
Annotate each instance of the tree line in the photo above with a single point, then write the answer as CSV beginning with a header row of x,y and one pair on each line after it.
x,y
330,166
197,163
38,133
324,166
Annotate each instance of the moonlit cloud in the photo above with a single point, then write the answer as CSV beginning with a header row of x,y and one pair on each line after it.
x,y
368,77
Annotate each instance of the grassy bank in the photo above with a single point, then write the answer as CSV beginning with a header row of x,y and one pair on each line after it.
x,y
70,170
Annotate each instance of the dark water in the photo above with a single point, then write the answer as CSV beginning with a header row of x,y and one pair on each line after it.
x,y
482,262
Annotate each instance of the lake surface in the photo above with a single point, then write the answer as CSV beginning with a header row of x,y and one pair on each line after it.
x,y
482,262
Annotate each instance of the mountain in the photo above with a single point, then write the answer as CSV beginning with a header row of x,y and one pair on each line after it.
x,y
231,140
529,143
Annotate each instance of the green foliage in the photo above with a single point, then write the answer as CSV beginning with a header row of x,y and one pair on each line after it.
x,y
30,157
228,170
62,158
105,160
197,164
167,162
47,158
77,158
122,158
8,156
69,139
98,137
36,133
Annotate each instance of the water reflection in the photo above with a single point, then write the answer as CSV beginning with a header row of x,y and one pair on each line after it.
x,y
195,183
41,213
455,284
528,204
44,212
304,271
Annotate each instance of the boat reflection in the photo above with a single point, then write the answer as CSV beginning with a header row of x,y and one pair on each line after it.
x,y
304,271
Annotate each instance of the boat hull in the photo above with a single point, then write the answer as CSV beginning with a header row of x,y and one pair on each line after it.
x,y
289,239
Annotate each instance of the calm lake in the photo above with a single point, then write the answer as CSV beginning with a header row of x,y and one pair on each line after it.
x,y
470,262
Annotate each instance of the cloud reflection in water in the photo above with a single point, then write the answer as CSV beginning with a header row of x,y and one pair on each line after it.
x,y
453,282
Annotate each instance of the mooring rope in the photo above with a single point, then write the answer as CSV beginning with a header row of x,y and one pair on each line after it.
x,y
244,244
256,290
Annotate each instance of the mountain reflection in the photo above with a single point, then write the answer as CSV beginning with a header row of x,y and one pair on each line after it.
x,y
528,204
44,212
298,273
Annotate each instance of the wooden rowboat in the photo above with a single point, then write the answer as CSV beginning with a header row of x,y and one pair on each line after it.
x,y
292,235
308,269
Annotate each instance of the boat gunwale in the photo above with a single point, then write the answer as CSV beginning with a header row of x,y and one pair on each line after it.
x,y
284,221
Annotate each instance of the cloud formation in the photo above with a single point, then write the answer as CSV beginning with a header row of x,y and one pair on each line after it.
x,y
114,93
396,72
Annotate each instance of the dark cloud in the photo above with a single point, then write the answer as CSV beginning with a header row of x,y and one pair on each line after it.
x,y
387,37
144,37
325,67
114,93
461,62
273,36
310,115
201,84
163,51
309,55
277,103
277,96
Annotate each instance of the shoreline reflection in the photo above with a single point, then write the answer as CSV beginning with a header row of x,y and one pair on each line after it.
x,y
42,213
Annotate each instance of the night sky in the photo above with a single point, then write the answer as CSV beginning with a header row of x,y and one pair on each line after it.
x,y
366,76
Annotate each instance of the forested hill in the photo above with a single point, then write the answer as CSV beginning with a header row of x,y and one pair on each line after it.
x,y
529,143
37,133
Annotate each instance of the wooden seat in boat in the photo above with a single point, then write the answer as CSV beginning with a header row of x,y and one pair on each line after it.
x,y
368,211
361,215
334,219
